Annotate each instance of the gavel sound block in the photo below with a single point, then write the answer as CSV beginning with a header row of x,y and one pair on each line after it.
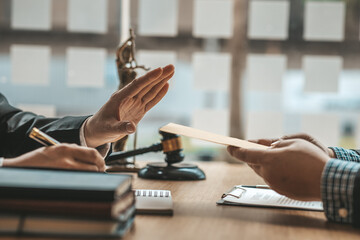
x,y
171,169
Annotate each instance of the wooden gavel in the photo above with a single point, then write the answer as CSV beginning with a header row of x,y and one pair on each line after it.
x,y
170,145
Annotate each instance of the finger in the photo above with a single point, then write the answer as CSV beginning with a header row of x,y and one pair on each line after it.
x,y
167,72
76,165
282,143
138,84
157,98
299,135
266,142
312,140
125,127
87,155
151,94
251,156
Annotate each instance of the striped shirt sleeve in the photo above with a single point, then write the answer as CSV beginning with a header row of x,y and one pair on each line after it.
x,y
346,154
337,190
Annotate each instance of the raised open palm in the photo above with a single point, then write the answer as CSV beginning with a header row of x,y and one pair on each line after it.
x,y
126,107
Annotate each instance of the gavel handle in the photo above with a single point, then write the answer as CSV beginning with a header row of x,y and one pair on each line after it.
x,y
114,157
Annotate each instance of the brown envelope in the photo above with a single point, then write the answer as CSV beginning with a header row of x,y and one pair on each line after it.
x,y
208,136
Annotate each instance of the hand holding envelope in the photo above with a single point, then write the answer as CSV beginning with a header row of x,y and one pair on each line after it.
x,y
285,159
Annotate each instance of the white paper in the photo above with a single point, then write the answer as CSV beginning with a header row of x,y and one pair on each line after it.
x,y
213,18
268,19
85,67
264,125
212,71
31,14
322,73
266,72
158,17
155,59
40,109
30,64
268,198
89,16
324,127
324,21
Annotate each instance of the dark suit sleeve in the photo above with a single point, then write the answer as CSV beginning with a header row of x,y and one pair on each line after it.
x,y
15,126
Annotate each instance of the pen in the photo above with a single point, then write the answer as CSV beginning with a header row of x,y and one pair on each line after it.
x,y
42,138
256,186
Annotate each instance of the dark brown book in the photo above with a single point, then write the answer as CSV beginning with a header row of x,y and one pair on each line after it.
x,y
55,185
103,210
54,226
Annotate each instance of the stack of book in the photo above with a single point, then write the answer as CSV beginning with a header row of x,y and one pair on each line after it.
x,y
65,203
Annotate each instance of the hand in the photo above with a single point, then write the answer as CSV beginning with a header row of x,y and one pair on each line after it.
x,y
126,107
292,167
269,142
64,156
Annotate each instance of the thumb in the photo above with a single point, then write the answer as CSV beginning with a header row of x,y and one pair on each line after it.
x,y
250,156
126,127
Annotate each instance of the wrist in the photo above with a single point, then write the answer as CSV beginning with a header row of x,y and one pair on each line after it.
x,y
9,162
95,138
331,153
320,171
89,137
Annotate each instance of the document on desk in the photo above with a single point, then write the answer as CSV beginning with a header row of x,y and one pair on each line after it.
x,y
258,197
208,136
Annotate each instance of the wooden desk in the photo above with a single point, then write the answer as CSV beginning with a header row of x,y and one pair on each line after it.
x,y
196,215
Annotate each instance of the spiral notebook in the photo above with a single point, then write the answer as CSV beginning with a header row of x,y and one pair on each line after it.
x,y
263,197
156,202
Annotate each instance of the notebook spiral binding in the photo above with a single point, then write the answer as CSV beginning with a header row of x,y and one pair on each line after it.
x,y
152,193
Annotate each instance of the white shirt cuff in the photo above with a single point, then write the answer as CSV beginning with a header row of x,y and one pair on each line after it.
x,y
102,149
1,161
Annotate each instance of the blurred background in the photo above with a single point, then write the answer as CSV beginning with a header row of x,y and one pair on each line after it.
x,y
244,68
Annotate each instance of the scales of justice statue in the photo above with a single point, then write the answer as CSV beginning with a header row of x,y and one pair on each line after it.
x,y
170,144
126,66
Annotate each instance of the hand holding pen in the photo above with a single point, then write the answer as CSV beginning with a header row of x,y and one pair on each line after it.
x,y
58,155
42,138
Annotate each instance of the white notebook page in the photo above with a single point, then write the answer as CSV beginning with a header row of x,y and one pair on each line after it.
x,y
153,201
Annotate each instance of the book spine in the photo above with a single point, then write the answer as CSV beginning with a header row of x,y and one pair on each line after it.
x,y
98,210
59,194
